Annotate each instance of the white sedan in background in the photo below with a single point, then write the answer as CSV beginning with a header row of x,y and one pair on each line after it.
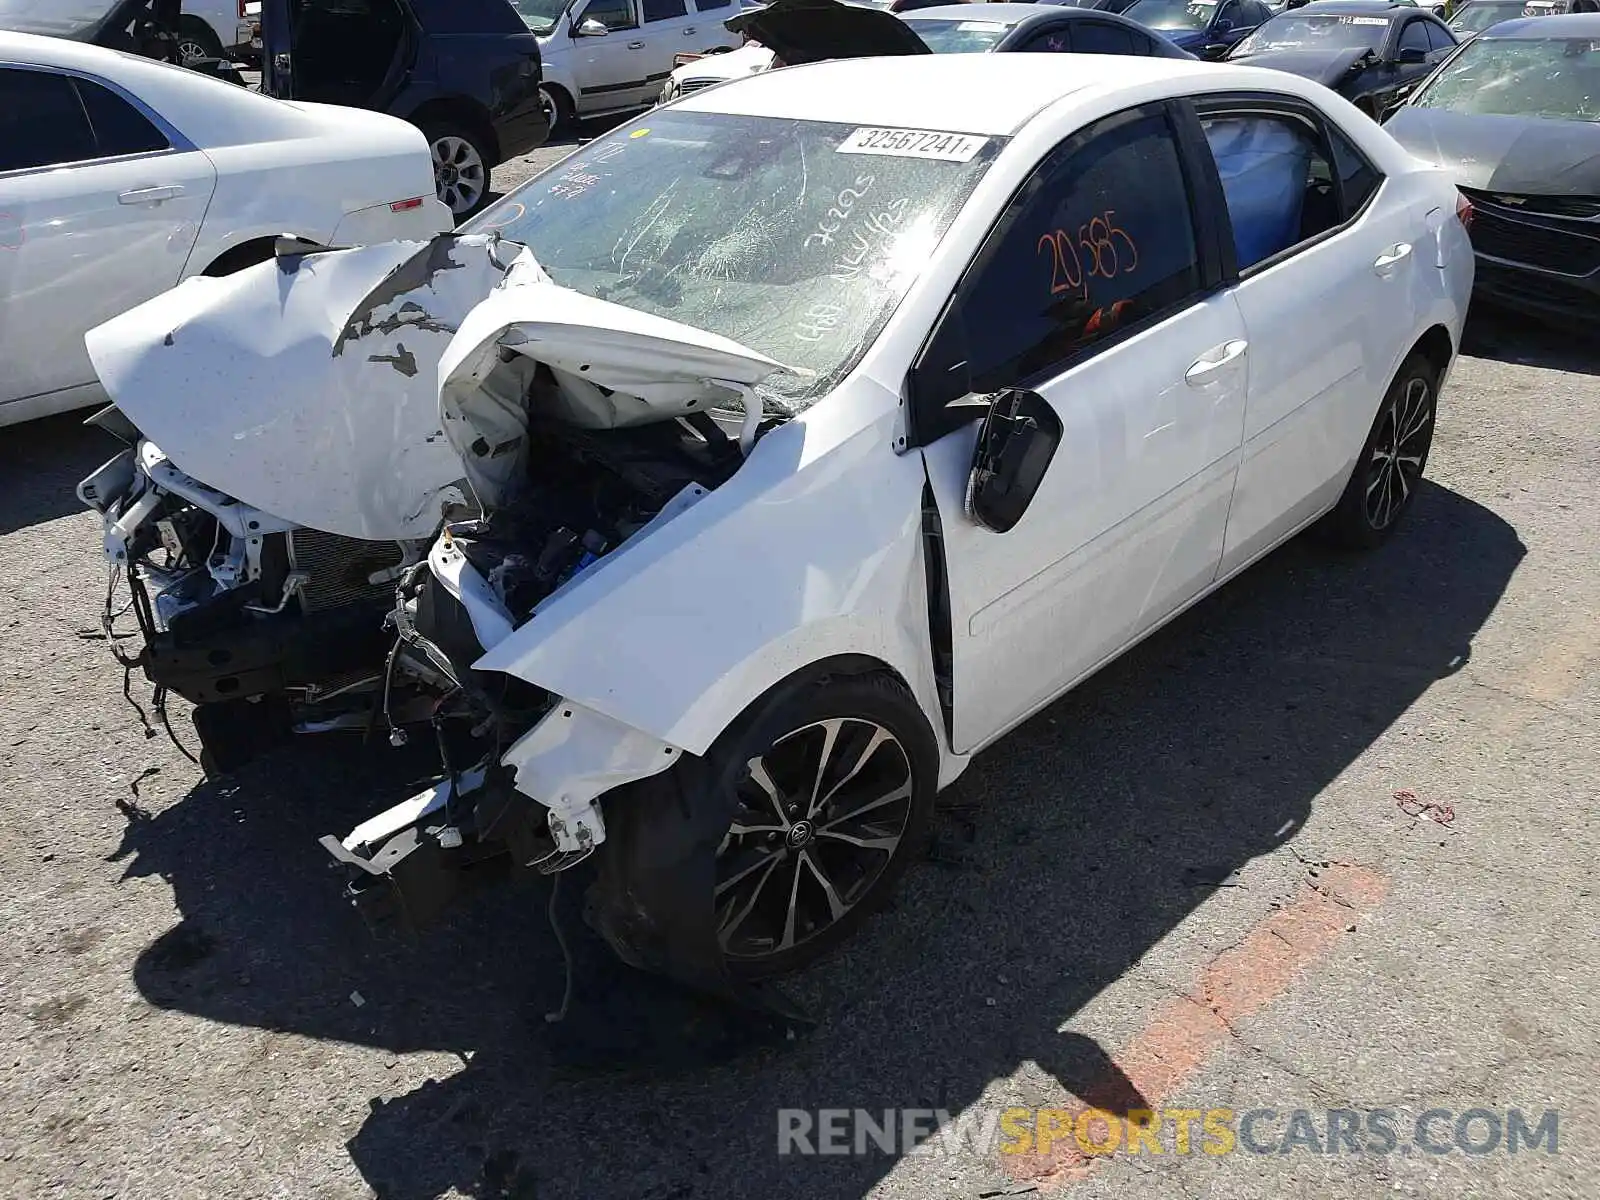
x,y
994,370
120,176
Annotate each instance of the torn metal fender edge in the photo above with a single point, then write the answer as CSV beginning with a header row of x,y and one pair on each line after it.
x,y
572,757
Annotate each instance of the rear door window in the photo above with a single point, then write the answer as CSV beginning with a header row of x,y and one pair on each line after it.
x,y
1052,41
119,128
1101,37
664,10
42,122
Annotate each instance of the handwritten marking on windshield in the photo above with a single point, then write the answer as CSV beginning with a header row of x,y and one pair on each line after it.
x,y
579,177
866,235
818,321
839,211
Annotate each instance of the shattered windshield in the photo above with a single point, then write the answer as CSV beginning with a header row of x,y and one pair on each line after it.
x,y
52,18
795,238
1315,31
1556,78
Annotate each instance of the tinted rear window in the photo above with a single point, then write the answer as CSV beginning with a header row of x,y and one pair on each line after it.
x,y
468,16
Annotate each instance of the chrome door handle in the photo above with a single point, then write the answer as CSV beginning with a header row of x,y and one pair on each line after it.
x,y
151,195
1387,261
1210,364
635,45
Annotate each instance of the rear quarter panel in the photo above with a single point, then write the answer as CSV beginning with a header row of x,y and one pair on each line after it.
x,y
305,188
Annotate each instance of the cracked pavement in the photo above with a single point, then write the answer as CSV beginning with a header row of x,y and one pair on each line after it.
x,y
179,981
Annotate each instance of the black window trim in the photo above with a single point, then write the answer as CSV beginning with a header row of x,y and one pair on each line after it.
x,y
176,142
923,428
1272,104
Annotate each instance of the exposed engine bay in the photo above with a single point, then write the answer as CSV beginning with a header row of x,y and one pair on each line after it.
x,y
550,430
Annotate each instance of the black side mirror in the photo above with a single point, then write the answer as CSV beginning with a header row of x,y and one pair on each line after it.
x,y
1410,55
1018,439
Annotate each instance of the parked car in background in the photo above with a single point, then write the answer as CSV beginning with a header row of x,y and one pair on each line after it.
x,y
199,32
1472,18
701,72
994,366
120,176
1515,116
465,72
1037,28
1116,6
608,56
1205,28
1372,54
960,29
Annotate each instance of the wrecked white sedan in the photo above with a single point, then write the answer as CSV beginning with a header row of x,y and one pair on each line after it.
x,y
785,448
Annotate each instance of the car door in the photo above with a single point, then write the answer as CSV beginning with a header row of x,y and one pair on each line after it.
x,y
1091,291
610,71
1322,267
710,32
100,204
668,28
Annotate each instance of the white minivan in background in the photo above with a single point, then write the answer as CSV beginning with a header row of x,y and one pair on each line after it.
x,y
607,56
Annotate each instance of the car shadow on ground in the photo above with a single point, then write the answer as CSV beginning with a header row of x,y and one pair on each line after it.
x,y
1063,856
41,464
1526,341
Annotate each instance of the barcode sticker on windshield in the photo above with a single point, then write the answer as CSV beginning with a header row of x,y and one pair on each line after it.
x,y
913,143
1362,21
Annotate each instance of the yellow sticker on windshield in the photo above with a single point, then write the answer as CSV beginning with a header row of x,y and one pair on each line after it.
x,y
638,133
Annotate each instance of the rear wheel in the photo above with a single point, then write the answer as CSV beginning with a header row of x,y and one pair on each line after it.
x,y
1389,470
460,167
196,41
558,110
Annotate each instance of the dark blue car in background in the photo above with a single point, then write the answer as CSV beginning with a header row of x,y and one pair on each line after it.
x,y
1205,28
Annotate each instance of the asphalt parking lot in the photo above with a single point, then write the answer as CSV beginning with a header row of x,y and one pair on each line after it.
x,y
1189,885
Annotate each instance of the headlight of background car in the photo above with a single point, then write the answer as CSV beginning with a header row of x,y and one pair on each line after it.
x,y
669,90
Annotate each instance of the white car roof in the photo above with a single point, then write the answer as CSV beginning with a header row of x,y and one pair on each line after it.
x,y
207,111
991,94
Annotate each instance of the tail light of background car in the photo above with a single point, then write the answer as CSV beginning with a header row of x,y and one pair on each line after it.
x,y
1464,211
406,205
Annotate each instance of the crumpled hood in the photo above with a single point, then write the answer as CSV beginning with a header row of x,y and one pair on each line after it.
x,y
806,31
1516,155
351,391
306,386
1325,66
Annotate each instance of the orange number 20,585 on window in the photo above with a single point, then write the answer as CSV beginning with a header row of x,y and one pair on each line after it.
x,y
1093,252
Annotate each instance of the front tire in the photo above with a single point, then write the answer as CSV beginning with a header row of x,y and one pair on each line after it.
x,y
1389,469
832,784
